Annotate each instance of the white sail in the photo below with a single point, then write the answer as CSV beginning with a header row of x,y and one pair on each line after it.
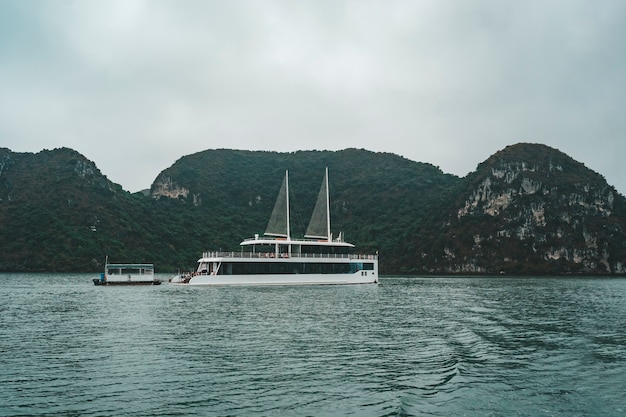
x,y
279,220
319,226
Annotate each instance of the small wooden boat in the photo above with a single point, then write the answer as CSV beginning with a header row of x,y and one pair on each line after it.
x,y
127,274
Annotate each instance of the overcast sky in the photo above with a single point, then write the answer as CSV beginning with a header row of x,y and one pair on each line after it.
x,y
134,85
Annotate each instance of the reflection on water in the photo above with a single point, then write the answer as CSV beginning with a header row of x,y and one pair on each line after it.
x,y
419,346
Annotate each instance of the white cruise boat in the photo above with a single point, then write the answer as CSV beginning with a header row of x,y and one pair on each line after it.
x,y
277,259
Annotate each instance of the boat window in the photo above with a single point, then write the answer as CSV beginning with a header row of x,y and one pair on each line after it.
x,y
361,266
315,249
203,268
129,271
249,268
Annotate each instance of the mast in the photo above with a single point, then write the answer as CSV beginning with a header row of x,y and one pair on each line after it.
x,y
330,235
287,203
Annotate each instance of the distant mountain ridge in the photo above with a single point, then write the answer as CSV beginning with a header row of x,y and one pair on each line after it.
x,y
528,209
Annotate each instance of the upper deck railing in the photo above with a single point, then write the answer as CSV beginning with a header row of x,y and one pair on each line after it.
x,y
266,255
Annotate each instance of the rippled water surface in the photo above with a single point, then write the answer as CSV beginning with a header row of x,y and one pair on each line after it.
x,y
409,346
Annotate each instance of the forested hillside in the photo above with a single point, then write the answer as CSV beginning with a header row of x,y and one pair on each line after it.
x,y
378,200
59,213
527,209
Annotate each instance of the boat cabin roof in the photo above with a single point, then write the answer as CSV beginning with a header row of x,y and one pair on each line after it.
x,y
301,242
131,266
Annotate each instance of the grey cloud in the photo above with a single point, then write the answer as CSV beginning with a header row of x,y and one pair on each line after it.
x,y
445,82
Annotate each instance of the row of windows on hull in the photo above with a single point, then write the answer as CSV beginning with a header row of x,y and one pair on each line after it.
x,y
251,268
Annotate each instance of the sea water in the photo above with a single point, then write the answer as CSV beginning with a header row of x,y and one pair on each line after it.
x,y
431,346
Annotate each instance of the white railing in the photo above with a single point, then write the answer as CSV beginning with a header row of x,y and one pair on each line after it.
x,y
266,255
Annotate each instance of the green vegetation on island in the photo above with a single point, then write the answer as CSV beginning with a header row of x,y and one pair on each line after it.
x,y
528,209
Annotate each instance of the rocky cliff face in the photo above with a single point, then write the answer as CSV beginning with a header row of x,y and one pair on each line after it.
x,y
164,186
532,209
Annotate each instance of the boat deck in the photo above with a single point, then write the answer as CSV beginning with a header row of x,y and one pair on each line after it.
x,y
268,255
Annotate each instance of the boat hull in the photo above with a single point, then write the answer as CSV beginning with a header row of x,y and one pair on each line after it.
x,y
361,277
